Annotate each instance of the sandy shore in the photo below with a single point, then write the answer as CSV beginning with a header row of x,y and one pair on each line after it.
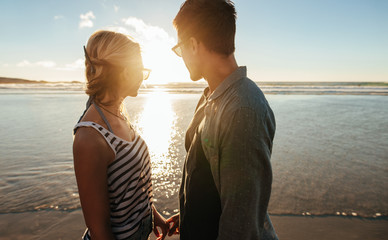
x,y
70,225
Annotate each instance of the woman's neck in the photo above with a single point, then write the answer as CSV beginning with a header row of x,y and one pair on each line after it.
x,y
112,104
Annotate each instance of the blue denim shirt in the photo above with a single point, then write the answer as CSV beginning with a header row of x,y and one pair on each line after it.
x,y
236,129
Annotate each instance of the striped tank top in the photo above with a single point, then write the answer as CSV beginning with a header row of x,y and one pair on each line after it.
x,y
129,182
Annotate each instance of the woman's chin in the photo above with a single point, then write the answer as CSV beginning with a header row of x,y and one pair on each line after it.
x,y
133,94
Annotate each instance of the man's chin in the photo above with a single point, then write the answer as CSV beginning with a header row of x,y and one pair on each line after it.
x,y
195,78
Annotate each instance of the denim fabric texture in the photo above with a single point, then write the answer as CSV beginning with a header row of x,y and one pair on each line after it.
x,y
144,230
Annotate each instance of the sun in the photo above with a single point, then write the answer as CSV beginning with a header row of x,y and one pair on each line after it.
x,y
165,65
156,44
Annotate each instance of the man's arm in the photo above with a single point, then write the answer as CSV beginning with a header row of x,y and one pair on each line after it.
x,y
245,174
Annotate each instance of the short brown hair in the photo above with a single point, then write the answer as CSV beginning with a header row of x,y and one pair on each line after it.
x,y
212,22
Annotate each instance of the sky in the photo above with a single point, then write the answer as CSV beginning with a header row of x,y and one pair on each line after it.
x,y
282,40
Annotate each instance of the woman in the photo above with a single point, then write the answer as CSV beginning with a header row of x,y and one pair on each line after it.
x,y
111,160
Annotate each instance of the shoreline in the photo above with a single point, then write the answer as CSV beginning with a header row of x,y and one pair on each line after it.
x,y
271,88
10,80
70,225
144,91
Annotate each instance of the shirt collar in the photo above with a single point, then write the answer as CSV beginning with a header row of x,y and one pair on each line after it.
x,y
239,73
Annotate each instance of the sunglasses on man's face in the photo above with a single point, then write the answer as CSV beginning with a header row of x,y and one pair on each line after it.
x,y
177,49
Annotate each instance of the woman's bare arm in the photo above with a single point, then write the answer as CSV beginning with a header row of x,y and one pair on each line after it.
x,y
91,157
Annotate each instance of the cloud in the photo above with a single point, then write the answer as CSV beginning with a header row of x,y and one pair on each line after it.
x,y
119,29
116,8
146,32
76,65
58,17
86,20
45,64
23,63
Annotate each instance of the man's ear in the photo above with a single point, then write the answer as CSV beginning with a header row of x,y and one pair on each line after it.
x,y
194,45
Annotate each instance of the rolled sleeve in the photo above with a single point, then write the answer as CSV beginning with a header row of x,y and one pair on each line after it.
x,y
245,174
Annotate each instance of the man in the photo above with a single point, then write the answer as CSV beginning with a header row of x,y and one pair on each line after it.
x,y
227,176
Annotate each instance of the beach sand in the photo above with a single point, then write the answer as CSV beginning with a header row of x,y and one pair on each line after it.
x,y
70,225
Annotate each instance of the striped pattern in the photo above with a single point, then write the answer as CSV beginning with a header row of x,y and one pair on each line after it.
x,y
129,182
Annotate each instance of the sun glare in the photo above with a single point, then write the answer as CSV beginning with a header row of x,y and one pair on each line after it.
x,y
156,125
157,55
165,65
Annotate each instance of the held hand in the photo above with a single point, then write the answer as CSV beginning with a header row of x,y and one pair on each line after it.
x,y
174,229
160,222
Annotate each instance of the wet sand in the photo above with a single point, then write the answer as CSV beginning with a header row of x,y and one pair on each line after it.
x,y
70,225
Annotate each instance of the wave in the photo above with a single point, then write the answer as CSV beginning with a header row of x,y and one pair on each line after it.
x,y
268,88
347,214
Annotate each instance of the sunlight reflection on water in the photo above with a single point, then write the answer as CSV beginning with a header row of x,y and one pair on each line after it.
x,y
157,126
329,151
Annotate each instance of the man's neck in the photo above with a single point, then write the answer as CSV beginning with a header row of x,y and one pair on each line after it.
x,y
217,69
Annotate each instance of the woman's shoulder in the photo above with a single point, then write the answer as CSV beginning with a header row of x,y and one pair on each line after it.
x,y
88,138
89,147
90,142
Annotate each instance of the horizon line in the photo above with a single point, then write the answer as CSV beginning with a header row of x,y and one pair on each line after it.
x,y
13,80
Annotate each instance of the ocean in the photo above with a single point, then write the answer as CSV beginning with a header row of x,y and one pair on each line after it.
x,y
330,153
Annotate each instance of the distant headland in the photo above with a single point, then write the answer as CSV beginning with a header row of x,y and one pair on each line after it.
x,y
7,80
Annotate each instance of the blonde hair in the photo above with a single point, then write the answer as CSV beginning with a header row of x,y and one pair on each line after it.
x,y
110,53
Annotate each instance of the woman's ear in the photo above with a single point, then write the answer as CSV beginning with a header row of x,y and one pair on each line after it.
x,y
123,75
